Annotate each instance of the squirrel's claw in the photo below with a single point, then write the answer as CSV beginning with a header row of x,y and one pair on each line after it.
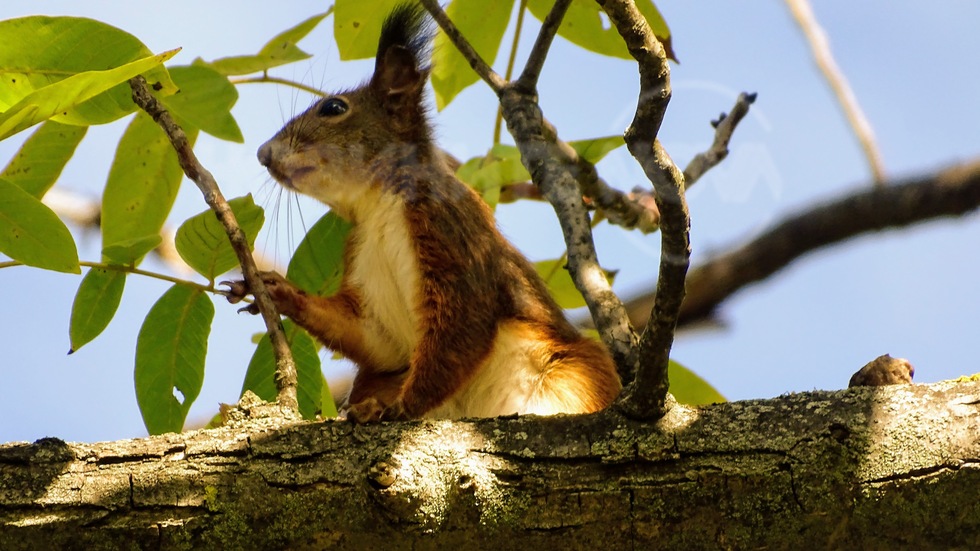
x,y
237,290
373,410
250,309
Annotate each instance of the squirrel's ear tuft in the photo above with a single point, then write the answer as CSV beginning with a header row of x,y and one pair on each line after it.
x,y
397,72
403,45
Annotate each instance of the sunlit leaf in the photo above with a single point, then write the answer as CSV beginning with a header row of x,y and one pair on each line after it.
x,y
203,243
95,304
586,25
688,388
57,98
595,149
142,185
39,51
261,375
328,408
560,283
170,353
483,24
31,233
280,50
357,26
204,102
487,174
40,160
318,263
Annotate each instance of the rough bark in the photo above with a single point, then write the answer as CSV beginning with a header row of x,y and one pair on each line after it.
x,y
864,468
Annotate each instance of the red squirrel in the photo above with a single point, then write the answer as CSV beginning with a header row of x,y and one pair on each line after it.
x,y
441,314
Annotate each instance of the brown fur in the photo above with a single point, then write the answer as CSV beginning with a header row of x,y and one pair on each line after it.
x,y
424,324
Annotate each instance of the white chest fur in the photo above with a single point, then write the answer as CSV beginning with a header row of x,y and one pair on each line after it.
x,y
385,272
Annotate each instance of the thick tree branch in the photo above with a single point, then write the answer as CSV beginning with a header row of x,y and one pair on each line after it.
x,y
868,468
646,395
953,191
285,367
481,67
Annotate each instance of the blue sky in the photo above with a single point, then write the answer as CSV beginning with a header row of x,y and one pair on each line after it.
x,y
910,293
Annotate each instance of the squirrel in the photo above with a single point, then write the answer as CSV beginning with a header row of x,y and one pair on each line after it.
x,y
442,315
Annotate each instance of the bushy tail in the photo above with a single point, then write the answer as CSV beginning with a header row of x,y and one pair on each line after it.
x,y
578,377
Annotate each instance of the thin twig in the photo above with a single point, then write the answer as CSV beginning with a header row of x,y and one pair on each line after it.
x,y
511,59
724,128
637,210
485,72
646,396
953,191
285,367
539,52
619,208
820,46
210,288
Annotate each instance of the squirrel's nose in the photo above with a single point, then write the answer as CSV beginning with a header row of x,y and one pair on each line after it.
x,y
265,153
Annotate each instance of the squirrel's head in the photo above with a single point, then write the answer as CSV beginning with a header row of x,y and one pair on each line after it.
x,y
335,148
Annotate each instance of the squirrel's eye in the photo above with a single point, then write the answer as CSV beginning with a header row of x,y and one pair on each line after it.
x,y
331,107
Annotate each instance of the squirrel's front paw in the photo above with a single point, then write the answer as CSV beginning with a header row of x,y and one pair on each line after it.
x,y
371,410
284,294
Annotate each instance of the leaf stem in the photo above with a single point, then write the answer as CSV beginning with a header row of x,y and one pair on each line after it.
x,y
210,288
276,80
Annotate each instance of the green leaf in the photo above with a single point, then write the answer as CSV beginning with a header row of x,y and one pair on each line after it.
x,y
586,25
41,158
32,233
261,375
501,166
595,149
688,388
560,283
280,50
357,26
318,263
124,252
142,185
55,99
328,408
203,244
170,353
205,101
39,51
95,304
483,24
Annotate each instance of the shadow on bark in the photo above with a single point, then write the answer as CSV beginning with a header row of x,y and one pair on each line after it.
x,y
865,468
